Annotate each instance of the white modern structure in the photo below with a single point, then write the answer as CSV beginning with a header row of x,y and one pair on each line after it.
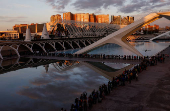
x,y
119,37
45,34
162,36
85,29
28,35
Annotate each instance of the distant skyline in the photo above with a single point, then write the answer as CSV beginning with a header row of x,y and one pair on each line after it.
x,y
39,11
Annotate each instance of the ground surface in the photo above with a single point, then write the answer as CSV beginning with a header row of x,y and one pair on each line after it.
x,y
150,93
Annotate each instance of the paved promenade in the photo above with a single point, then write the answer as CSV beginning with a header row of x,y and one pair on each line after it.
x,y
150,93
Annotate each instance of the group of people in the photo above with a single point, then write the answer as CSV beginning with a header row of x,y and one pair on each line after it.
x,y
159,57
97,56
83,103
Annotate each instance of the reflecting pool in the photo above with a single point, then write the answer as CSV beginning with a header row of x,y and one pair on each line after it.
x,y
47,85
145,48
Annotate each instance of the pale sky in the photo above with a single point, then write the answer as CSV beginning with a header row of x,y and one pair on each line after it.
x,y
39,11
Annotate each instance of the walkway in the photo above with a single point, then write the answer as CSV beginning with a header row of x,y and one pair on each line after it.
x,y
150,93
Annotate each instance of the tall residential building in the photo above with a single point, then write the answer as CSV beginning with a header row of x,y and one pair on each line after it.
x,y
55,18
68,16
148,29
20,27
102,18
121,20
86,17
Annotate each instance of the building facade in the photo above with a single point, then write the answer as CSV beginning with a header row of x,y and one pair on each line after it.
x,y
118,20
56,17
148,29
86,17
9,34
34,28
167,28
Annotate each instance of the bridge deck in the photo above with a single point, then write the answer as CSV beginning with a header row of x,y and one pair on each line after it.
x,y
45,40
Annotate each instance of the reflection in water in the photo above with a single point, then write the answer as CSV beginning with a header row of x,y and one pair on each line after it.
x,y
39,84
105,70
50,86
63,65
140,46
114,49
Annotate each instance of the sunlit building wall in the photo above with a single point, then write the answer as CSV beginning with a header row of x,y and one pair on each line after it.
x,y
167,28
9,34
18,27
118,20
68,16
56,17
34,28
86,17
148,29
102,18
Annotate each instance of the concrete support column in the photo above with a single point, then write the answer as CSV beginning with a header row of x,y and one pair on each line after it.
x,y
62,45
70,43
36,28
0,52
16,50
77,43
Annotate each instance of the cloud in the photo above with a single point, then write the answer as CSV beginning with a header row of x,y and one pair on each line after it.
x,y
62,89
96,4
21,5
9,17
98,11
12,19
58,11
59,5
40,81
143,6
123,6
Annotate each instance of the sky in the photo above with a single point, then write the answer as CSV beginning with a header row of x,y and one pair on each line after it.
x,y
39,11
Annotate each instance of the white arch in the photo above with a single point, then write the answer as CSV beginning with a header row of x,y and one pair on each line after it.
x,y
0,52
16,50
164,34
70,44
88,41
77,44
83,42
119,37
30,49
41,46
61,45
30,60
52,45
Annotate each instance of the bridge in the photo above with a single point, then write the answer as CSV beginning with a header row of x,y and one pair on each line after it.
x,y
119,37
19,47
79,35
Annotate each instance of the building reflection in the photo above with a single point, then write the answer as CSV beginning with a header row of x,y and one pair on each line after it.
x,y
60,66
58,78
20,63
